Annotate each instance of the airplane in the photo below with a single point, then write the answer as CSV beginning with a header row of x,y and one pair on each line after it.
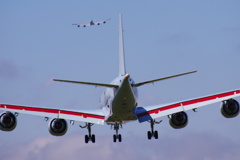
x,y
91,23
119,105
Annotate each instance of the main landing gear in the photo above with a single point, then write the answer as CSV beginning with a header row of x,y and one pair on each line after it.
x,y
90,136
117,136
153,133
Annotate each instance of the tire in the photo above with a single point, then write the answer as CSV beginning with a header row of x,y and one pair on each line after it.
x,y
149,135
156,134
86,138
120,138
114,138
93,138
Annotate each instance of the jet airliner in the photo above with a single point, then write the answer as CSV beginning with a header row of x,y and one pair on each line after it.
x,y
91,23
119,105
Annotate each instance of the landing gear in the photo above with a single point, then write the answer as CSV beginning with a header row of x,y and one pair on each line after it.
x,y
89,137
117,136
153,133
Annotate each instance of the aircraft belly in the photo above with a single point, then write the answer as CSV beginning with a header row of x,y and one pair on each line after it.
x,y
123,105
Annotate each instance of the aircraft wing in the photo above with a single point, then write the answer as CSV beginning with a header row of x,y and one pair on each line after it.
x,y
84,25
103,21
94,116
156,111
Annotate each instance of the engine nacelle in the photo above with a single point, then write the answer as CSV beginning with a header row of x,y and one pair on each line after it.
x,y
178,120
57,127
8,121
230,108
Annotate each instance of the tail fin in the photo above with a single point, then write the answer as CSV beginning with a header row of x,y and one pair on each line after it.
x,y
122,70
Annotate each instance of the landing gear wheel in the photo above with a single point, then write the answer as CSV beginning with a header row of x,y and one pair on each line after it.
x,y
93,138
156,134
149,134
114,138
120,138
86,138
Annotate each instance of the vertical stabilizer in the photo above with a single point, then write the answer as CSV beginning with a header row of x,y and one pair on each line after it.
x,y
122,70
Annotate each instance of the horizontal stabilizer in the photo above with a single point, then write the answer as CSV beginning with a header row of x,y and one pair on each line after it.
x,y
160,79
88,83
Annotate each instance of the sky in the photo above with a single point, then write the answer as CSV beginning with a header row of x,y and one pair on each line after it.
x,y
38,43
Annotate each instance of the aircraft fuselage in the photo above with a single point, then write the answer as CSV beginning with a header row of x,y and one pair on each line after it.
x,y
118,104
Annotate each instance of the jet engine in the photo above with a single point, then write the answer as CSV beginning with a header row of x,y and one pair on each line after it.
x,y
230,108
8,121
58,127
178,120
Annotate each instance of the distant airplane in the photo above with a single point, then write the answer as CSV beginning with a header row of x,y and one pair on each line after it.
x,y
119,105
91,23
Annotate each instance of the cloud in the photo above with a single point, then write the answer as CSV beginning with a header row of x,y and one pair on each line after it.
x,y
184,147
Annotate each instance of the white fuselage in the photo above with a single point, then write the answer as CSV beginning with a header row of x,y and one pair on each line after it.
x,y
118,104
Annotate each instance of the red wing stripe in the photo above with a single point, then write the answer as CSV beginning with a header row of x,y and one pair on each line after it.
x,y
190,102
84,115
55,111
170,107
32,109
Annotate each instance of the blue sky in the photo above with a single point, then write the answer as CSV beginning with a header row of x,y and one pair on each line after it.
x,y
162,38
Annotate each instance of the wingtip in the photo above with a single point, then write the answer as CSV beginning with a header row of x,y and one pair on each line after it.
x,y
194,71
57,80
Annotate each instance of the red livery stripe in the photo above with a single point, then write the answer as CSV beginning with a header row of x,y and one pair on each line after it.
x,y
190,102
170,107
29,108
55,111
84,115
